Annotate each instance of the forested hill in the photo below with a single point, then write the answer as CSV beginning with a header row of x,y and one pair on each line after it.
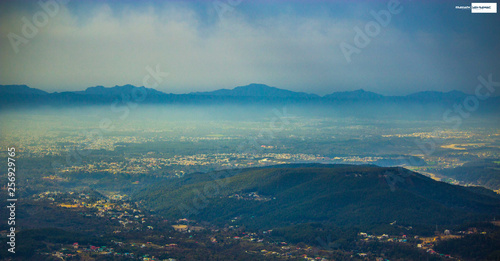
x,y
340,195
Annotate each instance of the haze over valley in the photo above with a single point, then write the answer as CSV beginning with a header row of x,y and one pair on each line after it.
x,y
249,130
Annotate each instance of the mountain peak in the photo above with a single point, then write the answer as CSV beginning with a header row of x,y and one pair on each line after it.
x,y
256,85
357,95
20,89
116,90
258,90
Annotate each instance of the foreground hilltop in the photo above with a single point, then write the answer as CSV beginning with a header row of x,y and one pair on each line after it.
x,y
340,195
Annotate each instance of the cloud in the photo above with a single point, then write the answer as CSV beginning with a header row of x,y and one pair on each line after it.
x,y
112,46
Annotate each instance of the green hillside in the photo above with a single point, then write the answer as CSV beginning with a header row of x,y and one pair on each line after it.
x,y
340,195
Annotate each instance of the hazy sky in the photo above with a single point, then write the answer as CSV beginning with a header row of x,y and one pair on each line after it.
x,y
207,45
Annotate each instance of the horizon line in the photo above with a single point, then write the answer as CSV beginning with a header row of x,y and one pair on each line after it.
x,y
194,92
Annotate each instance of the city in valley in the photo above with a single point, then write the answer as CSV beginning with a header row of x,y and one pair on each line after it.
x,y
80,186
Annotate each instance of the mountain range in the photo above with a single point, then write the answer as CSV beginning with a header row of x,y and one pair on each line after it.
x,y
251,90
22,95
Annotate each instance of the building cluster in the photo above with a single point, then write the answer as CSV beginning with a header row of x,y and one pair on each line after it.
x,y
251,196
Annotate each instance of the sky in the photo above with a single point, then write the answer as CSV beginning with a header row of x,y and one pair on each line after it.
x,y
388,47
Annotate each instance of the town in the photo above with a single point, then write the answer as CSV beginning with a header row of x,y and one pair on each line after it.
x,y
121,221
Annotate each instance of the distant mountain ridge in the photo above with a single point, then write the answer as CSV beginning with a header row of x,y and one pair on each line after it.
x,y
357,94
257,90
348,102
435,95
20,89
251,90
117,90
